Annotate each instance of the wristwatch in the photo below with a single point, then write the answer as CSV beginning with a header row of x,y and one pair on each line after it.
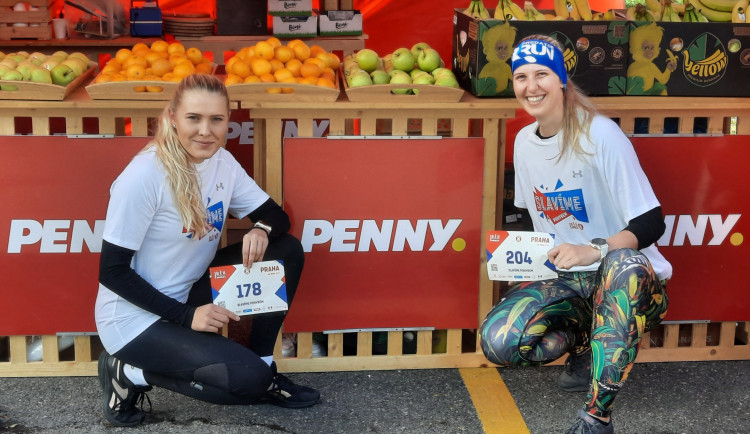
x,y
601,245
262,226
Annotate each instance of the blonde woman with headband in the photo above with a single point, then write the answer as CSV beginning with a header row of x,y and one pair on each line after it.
x,y
579,178
154,310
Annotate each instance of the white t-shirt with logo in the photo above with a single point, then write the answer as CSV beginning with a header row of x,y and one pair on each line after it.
x,y
142,216
580,197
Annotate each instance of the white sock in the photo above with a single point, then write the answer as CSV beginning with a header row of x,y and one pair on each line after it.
x,y
135,375
268,359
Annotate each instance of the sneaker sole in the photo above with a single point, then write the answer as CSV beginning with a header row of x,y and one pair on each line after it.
x,y
288,404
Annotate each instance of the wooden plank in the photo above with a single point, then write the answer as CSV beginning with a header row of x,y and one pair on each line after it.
x,y
699,335
671,335
429,126
424,342
395,344
335,345
50,349
18,349
364,344
305,127
304,345
399,126
715,125
83,349
273,176
453,345
728,331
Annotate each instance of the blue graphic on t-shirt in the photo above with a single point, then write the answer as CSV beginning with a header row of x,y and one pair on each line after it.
x,y
558,205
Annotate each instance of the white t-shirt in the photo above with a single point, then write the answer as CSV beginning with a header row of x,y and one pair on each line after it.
x,y
581,197
142,216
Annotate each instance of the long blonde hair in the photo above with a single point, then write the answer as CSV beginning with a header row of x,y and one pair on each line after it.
x,y
578,109
181,172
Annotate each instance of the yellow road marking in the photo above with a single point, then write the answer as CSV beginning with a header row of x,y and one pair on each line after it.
x,y
495,406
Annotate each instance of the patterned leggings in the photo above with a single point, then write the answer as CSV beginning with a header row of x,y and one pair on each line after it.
x,y
608,310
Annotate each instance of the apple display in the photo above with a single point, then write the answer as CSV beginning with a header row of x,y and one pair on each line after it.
x,y
429,60
38,55
62,74
63,54
9,62
402,59
25,68
416,72
367,59
439,72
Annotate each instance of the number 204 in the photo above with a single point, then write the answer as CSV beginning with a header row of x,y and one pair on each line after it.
x,y
247,287
517,257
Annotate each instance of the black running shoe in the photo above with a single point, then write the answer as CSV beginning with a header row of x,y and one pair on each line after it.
x,y
577,374
284,393
587,424
121,398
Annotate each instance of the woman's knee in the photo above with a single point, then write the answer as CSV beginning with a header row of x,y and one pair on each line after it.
x,y
497,345
235,378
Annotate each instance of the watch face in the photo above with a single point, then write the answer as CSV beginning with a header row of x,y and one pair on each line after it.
x,y
599,242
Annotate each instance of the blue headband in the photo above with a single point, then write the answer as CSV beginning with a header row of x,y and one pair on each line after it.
x,y
540,53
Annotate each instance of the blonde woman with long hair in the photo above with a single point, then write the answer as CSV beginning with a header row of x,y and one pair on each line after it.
x,y
579,178
154,310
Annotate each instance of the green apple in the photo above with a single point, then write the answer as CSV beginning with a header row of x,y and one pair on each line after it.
x,y
23,53
424,79
360,78
367,59
76,65
380,77
4,69
9,62
17,57
79,55
402,59
429,60
62,74
50,63
416,72
25,67
447,81
440,72
63,54
37,55
400,77
418,48
12,75
40,75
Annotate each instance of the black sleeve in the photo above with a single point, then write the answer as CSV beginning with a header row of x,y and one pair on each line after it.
x,y
273,215
647,227
116,274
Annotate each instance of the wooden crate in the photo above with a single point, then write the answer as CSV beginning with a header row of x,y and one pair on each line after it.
x,y
37,22
31,91
136,90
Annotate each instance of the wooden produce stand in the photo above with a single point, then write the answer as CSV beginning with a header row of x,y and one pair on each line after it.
x,y
469,117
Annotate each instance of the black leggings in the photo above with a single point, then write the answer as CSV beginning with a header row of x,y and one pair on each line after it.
x,y
208,366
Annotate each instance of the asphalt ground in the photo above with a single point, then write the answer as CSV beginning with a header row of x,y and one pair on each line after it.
x,y
684,397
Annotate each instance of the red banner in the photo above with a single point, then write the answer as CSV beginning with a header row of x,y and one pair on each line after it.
x,y
391,230
55,194
700,183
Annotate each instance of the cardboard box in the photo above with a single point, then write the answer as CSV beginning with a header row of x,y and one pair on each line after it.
x,y
340,23
711,59
241,17
596,53
295,27
289,8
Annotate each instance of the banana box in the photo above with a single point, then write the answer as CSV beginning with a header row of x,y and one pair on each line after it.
x,y
689,59
596,53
